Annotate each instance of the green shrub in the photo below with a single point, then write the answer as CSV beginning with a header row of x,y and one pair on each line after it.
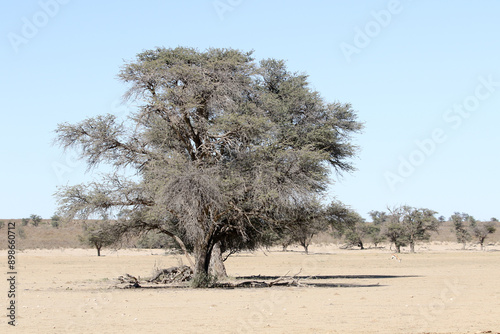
x,y
36,219
55,221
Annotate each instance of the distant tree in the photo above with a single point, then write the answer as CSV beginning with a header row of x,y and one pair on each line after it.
x,y
442,219
35,219
302,223
2,223
493,219
461,223
346,222
354,236
407,225
25,221
418,224
373,232
99,234
481,230
378,217
55,221
375,228
394,230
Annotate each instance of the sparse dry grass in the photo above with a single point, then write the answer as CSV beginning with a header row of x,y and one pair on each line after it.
x,y
43,236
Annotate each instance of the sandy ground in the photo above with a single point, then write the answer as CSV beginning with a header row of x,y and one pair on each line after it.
x,y
438,290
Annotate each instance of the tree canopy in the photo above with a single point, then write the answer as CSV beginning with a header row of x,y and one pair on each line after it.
x,y
222,148
405,225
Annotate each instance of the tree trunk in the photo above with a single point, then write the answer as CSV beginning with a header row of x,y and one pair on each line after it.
x,y
398,248
412,247
217,268
360,244
463,245
306,248
201,259
98,251
202,255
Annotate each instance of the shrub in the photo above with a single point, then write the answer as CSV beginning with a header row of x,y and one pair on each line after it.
x,y
36,219
55,221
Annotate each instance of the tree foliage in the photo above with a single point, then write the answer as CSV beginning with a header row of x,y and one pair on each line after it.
x,y
301,223
374,231
35,219
407,225
481,230
347,223
460,225
222,148
99,234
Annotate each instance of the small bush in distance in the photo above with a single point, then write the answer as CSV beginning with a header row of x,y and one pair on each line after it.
x,y
55,221
35,219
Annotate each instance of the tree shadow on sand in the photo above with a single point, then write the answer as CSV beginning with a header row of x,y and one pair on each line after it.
x,y
312,281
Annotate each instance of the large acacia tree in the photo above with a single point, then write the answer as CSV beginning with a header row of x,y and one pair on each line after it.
x,y
222,147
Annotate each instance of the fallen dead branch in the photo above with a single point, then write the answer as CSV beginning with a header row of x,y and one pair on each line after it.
x,y
179,277
173,275
128,282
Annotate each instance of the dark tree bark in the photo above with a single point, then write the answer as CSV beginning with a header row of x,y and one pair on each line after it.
x,y
202,255
98,250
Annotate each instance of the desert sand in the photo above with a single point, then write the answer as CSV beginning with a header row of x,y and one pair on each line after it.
x,y
440,289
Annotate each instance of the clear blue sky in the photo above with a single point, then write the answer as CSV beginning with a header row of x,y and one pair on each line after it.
x,y
417,72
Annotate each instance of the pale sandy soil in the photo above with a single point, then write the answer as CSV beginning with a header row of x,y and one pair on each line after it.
x,y
438,290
